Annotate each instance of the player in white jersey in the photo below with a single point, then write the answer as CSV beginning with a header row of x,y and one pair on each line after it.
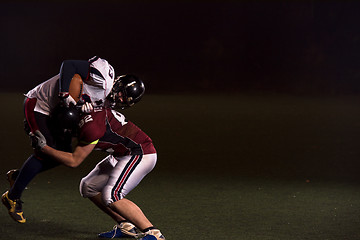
x,y
92,81
82,83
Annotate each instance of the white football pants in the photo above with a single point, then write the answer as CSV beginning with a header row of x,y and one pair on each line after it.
x,y
116,177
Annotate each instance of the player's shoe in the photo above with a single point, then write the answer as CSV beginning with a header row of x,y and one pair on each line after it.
x,y
12,175
153,234
14,207
122,230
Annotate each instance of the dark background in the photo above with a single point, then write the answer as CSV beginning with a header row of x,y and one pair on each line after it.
x,y
283,78
297,47
272,153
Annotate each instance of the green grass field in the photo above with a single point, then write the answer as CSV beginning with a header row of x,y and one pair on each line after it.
x,y
230,167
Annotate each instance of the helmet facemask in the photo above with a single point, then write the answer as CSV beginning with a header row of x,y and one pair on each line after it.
x,y
127,90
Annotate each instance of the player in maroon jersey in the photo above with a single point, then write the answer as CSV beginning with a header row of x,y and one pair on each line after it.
x,y
131,157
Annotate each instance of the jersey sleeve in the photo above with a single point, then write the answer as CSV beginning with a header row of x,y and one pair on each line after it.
x,y
68,69
101,73
100,82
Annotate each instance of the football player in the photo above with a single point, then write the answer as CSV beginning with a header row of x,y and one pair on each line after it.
x,y
132,156
80,84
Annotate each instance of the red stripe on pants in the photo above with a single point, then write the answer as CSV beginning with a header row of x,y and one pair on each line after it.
x,y
124,177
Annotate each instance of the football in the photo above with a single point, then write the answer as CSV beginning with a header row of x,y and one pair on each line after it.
x,y
76,87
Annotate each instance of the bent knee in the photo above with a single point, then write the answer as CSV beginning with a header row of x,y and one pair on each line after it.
x,y
87,189
110,197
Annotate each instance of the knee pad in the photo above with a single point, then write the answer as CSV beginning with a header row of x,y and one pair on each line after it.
x,y
87,189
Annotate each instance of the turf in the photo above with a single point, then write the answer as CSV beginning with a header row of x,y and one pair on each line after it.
x,y
230,167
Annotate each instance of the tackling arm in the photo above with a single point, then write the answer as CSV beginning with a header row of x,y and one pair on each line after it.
x,y
73,159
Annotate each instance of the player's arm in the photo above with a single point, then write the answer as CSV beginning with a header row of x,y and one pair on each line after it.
x,y
72,75
73,159
67,71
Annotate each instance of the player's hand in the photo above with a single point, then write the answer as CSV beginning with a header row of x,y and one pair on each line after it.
x,y
38,140
67,99
87,107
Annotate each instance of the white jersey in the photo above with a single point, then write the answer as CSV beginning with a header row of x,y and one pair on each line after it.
x,y
97,86
100,81
47,95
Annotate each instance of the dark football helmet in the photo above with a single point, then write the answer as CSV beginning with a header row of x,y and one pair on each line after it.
x,y
66,118
127,90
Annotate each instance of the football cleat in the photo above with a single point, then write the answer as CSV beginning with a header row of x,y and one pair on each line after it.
x,y
153,234
122,230
12,175
14,207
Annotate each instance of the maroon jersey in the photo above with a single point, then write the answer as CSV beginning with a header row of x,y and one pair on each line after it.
x,y
114,133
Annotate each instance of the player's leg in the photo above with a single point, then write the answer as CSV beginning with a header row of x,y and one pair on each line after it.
x,y
11,198
132,212
97,200
91,187
35,163
123,228
11,176
92,184
31,167
127,174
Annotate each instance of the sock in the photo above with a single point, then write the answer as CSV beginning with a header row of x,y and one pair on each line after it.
x,y
147,229
28,171
122,221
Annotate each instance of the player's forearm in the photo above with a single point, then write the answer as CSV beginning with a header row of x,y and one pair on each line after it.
x,y
66,158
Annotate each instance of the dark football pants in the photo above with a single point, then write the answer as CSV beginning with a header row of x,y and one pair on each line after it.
x,y
37,163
